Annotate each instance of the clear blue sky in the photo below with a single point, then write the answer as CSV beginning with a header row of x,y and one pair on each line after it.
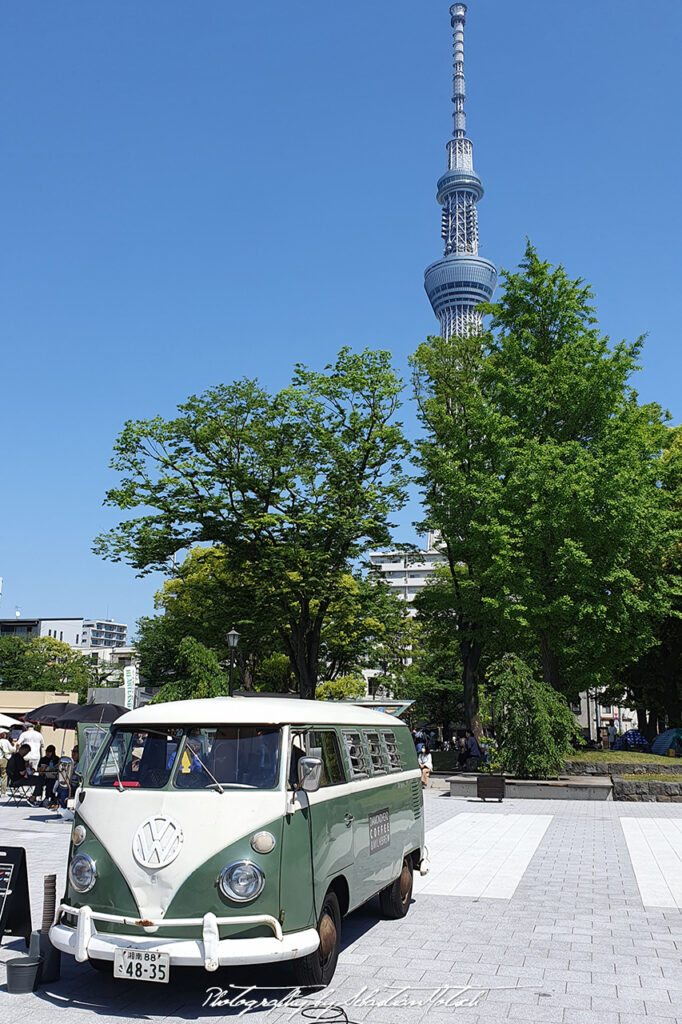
x,y
193,192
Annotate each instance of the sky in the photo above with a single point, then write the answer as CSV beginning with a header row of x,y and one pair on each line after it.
x,y
197,192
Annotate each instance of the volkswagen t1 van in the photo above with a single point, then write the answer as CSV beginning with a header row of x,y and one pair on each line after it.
x,y
239,830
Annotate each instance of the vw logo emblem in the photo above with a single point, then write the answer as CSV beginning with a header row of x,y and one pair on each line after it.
x,y
157,842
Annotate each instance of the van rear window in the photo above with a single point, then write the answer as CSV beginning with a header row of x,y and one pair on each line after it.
x,y
394,761
356,755
377,754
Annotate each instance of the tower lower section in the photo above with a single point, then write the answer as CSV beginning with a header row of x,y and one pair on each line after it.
x,y
456,285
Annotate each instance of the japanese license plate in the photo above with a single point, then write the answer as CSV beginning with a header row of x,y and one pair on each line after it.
x,y
141,965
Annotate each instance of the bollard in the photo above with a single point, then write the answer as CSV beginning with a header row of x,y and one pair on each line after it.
x,y
41,947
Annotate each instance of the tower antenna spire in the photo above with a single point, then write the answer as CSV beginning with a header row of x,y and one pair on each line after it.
x,y
458,14
461,280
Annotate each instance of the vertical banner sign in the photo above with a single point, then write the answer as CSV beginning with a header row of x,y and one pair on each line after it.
x,y
15,904
129,686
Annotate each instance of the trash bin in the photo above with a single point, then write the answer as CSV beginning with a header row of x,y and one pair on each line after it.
x,y
22,974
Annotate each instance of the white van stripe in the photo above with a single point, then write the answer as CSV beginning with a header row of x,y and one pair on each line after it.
x,y
481,855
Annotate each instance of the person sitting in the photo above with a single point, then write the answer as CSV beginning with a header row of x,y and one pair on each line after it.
x,y
18,768
44,784
425,763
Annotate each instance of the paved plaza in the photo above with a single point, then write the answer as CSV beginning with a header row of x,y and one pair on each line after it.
x,y
550,911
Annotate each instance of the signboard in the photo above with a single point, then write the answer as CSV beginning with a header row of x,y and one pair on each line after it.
x,y
129,686
15,904
379,830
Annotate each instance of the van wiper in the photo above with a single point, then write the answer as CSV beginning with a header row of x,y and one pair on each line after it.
x,y
216,784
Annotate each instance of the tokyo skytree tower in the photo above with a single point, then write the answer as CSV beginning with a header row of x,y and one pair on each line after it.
x,y
460,280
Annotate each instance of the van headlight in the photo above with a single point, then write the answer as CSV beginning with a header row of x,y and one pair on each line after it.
x,y
241,881
82,873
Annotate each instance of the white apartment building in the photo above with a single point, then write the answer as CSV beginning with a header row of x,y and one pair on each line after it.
x,y
76,632
407,572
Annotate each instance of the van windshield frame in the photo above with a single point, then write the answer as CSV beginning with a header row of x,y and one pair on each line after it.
x,y
135,758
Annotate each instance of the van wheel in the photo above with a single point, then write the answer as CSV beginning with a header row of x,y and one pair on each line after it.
x,y
318,968
394,901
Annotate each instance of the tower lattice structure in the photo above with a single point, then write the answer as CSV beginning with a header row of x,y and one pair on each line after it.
x,y
458,282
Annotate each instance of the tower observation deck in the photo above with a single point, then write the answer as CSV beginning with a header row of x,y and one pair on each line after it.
x,y
462,279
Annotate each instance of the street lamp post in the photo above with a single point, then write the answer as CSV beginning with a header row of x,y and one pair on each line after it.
x,y
232,641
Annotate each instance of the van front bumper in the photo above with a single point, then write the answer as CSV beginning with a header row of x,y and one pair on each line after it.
x,y
84,942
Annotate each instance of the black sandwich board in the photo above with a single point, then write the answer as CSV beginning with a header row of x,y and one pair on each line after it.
x,y
15,903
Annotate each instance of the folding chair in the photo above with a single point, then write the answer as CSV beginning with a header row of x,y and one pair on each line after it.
x,y
18,790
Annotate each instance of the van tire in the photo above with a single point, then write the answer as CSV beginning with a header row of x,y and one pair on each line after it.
x,y
394,901
318,968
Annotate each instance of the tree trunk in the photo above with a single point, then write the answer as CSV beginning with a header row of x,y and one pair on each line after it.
x,y
550,663
642,721
471,658
303,648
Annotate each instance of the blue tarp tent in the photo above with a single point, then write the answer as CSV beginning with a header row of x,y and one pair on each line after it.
x,y
671,739
632,740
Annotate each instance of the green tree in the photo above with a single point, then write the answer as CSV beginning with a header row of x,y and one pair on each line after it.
x,y
198,673
540,469
653,682
204,599
341,688
535,728
295,486
42,663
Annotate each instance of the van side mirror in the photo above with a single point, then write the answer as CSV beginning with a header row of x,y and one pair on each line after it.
x,y
309,774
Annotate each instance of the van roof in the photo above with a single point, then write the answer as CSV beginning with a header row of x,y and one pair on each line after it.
x,y
257,711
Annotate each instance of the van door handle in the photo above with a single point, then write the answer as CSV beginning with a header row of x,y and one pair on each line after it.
x,y
349,819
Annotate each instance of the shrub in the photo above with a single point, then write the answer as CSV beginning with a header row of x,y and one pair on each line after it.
x,y
535,727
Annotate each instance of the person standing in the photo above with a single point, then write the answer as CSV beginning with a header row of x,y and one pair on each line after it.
x,y
613,734
6,751
32,738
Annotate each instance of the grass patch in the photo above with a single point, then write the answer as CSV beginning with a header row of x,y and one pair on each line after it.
x,y
622,757
651,777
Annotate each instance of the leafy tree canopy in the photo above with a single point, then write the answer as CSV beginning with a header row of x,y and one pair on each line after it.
x,y
294,485
541,471
43,663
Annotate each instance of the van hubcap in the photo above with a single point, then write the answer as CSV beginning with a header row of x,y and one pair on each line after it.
x,y
327,932
405,883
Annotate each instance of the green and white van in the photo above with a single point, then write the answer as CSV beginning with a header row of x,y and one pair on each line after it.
x,y
239,830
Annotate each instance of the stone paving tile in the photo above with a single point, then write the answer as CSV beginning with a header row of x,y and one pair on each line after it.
x,y
575,929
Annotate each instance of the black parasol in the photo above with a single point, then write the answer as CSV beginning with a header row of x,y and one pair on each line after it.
x,y
90,714
47,714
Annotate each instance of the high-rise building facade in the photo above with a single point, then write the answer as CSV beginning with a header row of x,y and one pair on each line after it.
x,y
458,282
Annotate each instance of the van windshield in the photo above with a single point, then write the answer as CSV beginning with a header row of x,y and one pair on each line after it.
x,y
210,757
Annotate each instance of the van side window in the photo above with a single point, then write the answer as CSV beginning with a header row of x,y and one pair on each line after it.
x,y
323,743
359,767
395,764
377,754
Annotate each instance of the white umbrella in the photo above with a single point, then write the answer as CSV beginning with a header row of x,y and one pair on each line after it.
x,y
6,722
